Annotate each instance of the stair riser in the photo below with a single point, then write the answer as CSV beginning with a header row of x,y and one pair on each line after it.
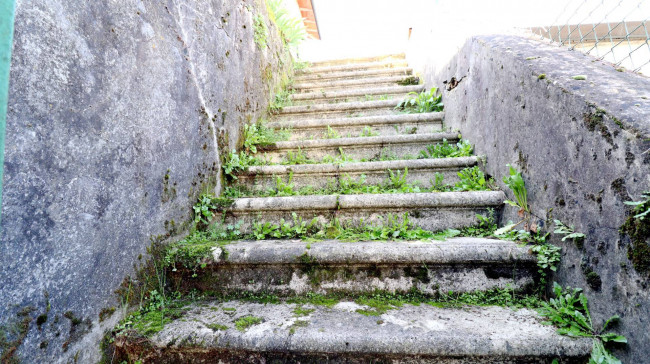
x,y
392,58
322,180
136,349
350,75
325,96
355,131
313,86
433,219
360,152
336,89
397,97
352,67
351,113
288,280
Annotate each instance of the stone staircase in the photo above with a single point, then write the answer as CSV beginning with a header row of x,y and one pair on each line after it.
x,y
341,95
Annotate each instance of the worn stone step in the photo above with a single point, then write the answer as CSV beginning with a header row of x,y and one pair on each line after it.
x,y
356,60
420,171
304,111
351,67
398,146
380,81
359,94
397,97
290,267
344,75
430,211
206,332
387,124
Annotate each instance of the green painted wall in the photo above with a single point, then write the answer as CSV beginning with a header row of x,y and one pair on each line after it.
x,y
6,37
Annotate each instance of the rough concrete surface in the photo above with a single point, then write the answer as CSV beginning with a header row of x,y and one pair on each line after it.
x,y
421,172
356,148
352,67
430,211
422,334
583,148
117,112
318,95
295,267
354,74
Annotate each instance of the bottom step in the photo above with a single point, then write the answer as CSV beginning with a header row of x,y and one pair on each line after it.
x,y
238,332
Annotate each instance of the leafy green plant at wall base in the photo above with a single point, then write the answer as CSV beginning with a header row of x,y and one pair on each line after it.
x,y
425,101
569,312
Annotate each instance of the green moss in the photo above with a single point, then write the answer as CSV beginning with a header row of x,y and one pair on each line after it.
x,y
41,319
217,327
13,334
595,122
301,311
260,31
297,324
243,323
638,252
105,313
316,299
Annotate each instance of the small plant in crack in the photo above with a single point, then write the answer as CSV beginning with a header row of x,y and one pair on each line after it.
x,y
568,231
425,101
641,208
259,135
516,183
207,205
281,100
446,150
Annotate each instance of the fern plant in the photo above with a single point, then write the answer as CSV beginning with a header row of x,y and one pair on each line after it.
x,y
292,29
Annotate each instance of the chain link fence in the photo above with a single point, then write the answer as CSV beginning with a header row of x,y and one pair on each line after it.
x,y
616,31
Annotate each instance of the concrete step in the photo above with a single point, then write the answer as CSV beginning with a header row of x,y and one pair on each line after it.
x,y
380,81
330,96
430,211
206,332
387,124
351,67
396,97
346,75
356,148
359,94
420,171
300,113
291,267
378,59
326,108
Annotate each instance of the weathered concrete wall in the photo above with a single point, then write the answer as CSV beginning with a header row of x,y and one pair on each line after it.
x,y
583,147
116,113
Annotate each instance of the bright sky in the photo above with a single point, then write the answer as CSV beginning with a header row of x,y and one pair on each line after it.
x,y
370,27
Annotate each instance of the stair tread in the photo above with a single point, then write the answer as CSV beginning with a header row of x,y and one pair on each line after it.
x,y
450,251
362,120
355,73
351,92
340,106
357,141
412,164
369,201
359,81
410,330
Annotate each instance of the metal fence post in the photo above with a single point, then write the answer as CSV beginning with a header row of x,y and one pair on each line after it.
x,y
7,8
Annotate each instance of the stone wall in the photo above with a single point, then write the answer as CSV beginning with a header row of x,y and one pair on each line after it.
x,y
118,114
583,147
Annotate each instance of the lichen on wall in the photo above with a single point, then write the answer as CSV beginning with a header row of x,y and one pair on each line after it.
x,y
115,114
